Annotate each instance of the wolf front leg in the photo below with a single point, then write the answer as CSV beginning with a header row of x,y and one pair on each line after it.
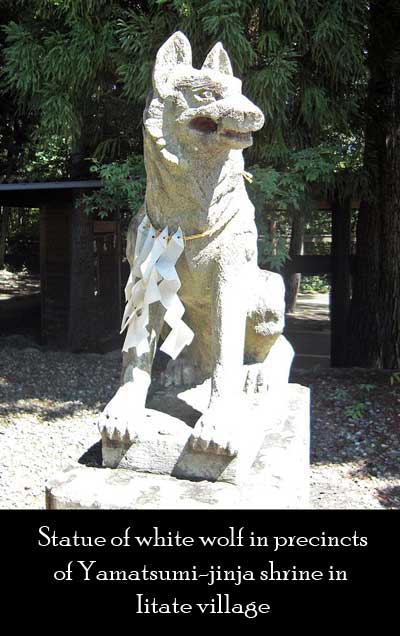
x,y
216,430
123,416
267,352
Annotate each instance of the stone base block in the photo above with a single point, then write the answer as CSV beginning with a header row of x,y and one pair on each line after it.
x,y
278,478
162,444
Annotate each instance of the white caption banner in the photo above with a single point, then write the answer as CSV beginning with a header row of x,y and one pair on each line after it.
x,y
153,278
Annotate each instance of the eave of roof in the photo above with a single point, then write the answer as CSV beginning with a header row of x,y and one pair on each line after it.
x,y
52,185
37,194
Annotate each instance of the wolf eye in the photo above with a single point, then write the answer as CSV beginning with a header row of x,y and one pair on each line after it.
x,y
206,94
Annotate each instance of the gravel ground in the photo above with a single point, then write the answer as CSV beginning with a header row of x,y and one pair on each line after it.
x,y
17,284
49,401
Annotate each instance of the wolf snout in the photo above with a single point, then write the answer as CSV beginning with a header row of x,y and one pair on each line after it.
x,y
242,116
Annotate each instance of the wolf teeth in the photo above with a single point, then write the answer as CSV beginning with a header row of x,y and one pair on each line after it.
x,y
238,135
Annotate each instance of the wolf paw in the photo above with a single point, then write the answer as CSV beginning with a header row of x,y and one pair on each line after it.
x,y
115,422
212,434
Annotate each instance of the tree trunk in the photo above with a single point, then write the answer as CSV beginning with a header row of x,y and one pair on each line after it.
x,y
340,279
3,234
81,332
374,339
292,281
390,265
272,235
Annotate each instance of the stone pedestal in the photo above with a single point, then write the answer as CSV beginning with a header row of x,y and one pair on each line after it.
x,y
275,475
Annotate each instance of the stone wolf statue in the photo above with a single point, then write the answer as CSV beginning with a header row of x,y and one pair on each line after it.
x,y
196,124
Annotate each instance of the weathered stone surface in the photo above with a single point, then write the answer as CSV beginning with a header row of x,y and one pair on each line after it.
x,y
196,236
166,432
162,444
95,488
196,125
279,478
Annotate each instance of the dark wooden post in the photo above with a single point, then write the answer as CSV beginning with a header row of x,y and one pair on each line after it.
x,y
55,272
108,265
3,234
340,279
81,335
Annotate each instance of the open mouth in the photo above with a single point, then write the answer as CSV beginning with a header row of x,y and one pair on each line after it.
x,y
207,126
204,125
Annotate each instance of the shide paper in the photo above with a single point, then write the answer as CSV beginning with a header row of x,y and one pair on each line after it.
x,y
153,278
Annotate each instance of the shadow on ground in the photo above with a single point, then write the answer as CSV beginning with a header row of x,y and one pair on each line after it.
x,y
92,457
389,497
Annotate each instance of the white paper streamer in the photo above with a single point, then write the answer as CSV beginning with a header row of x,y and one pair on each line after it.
x,y
153,278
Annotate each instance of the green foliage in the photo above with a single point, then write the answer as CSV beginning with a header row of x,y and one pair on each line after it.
x,y
273,252
61,59
340,394
395,378
305,173
366,387
84,69
46,158
22,243
277,194
301,62
355,411
318,284
124,188
140,33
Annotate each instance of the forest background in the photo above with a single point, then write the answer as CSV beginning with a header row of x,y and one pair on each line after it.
x,y
74,78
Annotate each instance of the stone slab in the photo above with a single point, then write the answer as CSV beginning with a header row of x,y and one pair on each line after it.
x,y
279,478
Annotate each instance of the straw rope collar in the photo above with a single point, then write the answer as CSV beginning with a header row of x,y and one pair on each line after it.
x,y
192,237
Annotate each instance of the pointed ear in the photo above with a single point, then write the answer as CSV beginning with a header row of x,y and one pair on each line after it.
x,y
176,50
218,60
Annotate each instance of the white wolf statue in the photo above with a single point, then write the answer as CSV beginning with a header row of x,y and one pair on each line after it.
x,y
196,125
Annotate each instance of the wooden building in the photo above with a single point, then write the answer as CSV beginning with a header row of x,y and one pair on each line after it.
x,y
80,265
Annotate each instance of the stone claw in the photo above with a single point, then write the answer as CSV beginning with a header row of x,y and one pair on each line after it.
x,y
115,422
198,444
231,450
212,435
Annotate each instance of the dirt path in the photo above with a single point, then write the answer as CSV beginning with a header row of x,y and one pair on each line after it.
x,y
308,330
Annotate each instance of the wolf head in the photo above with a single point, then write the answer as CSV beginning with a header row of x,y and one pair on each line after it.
x,y
199,111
